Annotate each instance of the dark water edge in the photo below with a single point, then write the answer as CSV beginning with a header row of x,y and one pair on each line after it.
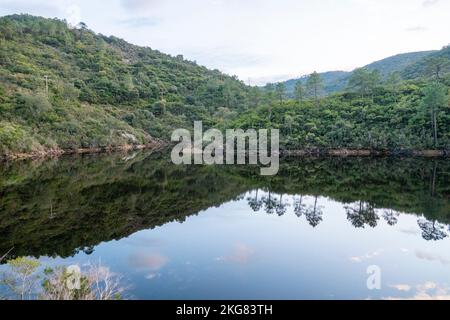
x,y
60,206
57,152
160,145
432,153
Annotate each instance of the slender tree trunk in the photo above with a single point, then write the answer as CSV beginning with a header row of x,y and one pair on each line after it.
x,y
433,180
315,205
435,129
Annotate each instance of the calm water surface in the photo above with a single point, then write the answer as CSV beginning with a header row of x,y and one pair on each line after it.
x,y
199,232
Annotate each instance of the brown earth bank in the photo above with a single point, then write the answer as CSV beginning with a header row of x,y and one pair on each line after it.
x,y
158,144
52,153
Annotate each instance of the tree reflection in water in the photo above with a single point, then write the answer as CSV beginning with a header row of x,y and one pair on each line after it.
x,y
432,230
61,207
360,214
391,217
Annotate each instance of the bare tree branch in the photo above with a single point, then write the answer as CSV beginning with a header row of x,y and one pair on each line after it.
x,y
6,254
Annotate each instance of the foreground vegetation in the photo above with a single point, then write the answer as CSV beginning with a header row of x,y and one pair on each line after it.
x,y
69,88
26,279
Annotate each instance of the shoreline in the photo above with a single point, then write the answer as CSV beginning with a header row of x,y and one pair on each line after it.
x,y
56,153
344,152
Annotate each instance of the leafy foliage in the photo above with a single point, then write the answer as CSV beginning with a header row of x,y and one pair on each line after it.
x,y
65,88
24,279
388,119
98,89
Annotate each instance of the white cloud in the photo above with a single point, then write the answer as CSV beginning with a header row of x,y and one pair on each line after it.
x,y
411,231
73,15
432,257
241,254
153,261
139,5
426,291
429,3
401,287
417,29
152,276
139,22
366,256
35,7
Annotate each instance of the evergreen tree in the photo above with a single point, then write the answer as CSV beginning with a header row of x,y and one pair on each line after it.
x,y
314,86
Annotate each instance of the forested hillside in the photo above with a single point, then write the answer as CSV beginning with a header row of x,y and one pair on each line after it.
x,y
388,118
406,109
102,91
398,62
410,65
333,81
67,88
422,66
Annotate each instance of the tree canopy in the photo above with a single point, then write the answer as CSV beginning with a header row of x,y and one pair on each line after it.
x,y
70,88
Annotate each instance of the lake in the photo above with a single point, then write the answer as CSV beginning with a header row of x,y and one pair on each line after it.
x,y
225,232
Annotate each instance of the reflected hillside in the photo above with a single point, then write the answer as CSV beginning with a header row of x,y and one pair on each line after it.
x,y
62,206
58,207
417,186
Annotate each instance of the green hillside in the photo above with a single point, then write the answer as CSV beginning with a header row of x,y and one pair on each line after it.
x,y
421,67
398,62
333,81
67,89
410,65
102,91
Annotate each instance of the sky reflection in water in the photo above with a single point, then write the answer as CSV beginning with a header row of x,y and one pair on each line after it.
x,y
265,245
231,252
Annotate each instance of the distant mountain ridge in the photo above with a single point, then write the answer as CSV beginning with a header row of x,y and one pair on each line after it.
x,y
398,62
409,65
418,68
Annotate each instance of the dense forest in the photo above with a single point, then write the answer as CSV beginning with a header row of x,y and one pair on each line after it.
x,y
410,115
67,88
100,91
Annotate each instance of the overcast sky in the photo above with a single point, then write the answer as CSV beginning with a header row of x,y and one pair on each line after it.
x,y
262,40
